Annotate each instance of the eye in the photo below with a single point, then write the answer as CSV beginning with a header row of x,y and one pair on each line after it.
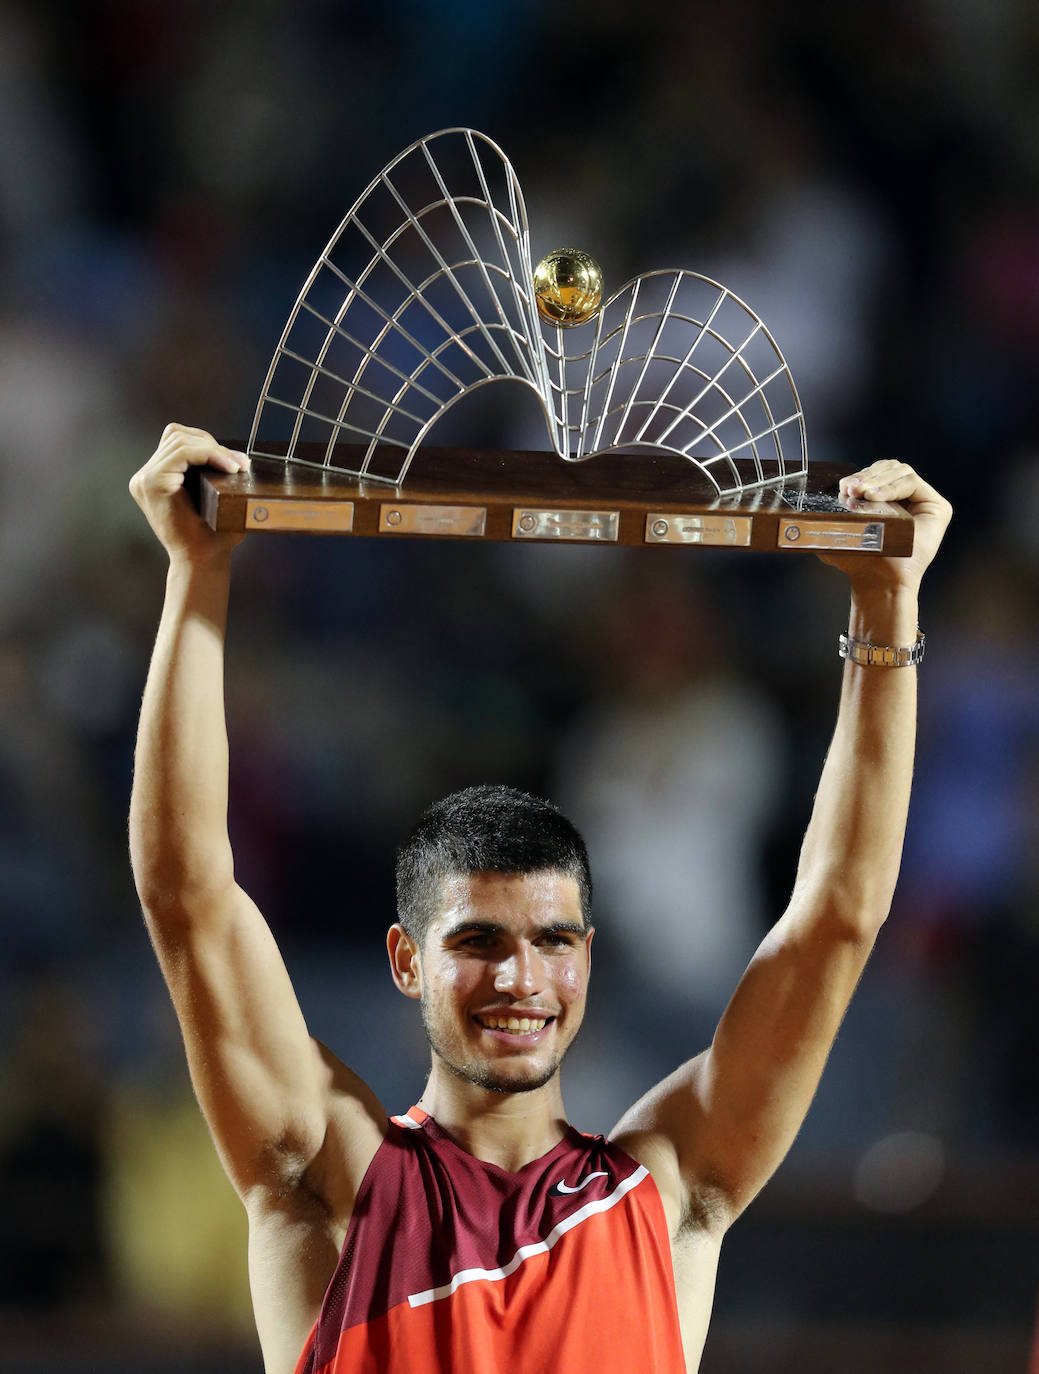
x,y
557,939
482,939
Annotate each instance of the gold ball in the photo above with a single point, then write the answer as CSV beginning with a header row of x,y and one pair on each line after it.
x,y
567,287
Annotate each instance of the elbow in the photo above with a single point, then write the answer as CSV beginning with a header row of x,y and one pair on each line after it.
x,y
847,919
848,913
857,925
174,869
171,891
853,906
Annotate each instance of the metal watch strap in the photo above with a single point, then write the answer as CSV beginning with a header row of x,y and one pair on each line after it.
x,y
882,655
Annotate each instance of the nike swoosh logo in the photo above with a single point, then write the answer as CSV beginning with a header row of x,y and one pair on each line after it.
x,y
561,1187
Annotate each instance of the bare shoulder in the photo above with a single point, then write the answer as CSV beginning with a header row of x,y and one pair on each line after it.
x,y
656,1132
315,1193
696,1213
300,1214
356,1125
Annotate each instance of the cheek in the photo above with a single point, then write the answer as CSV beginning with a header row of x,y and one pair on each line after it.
x,y
453,980
571,981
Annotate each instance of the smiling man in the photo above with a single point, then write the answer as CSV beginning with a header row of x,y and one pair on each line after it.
x,y
480,1230
494,897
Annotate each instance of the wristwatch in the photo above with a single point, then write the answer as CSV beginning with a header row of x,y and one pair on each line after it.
x,y
882,655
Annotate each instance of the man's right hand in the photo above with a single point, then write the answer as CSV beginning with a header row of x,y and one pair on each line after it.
x,y
158,488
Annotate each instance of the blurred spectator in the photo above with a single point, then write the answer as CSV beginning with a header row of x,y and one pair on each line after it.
x,y
177,1231
967,901
670,773
52,1124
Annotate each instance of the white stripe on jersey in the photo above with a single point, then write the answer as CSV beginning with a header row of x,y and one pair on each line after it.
x,y
541,1247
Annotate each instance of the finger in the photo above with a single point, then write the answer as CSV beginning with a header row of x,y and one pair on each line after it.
x,y
227,459
879,477
900,486
175,436
878,471
916,496
197,448
175,427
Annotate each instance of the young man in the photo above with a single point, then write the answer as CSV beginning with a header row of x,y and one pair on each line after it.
x,y
480,1231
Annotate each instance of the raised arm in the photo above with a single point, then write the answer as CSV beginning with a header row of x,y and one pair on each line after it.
x,y
718,1127
269,1093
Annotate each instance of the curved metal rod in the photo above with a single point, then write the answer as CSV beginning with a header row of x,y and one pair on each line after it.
x,y
506,340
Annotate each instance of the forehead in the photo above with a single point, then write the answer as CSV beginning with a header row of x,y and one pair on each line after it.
x,y
511,899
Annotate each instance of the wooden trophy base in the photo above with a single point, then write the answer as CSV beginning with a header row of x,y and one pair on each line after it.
x,y
502,495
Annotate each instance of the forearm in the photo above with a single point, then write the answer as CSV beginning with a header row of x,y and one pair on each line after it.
x,y
178,811
853,847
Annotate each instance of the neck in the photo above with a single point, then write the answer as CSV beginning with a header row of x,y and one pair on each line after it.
x,y
507,1129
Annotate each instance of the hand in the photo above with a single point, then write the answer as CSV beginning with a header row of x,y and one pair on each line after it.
x,y
158,488
890,480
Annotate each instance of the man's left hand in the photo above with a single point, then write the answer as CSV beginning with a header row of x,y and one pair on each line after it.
x,y
891,480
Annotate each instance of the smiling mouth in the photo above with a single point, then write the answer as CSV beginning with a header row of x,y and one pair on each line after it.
x,y
514,1025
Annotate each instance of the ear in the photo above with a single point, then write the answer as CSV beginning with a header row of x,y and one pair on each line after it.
x,y
588,946
405,966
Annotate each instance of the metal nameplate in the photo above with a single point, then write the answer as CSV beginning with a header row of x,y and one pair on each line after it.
x,y
315,517
667,527
598,525
425,519
866,535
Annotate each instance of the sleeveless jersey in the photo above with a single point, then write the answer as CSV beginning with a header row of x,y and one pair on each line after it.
x,y
454,1266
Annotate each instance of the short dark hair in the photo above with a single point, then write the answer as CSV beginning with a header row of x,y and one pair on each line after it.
x,y
486,828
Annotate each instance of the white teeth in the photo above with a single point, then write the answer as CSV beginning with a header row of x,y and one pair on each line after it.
x,y
517,1025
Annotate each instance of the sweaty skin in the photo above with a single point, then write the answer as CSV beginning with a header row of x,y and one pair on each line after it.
x,y
296,1129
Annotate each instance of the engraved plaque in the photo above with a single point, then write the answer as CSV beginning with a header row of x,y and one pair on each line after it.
x,y
865,535
597,525
717,530
315,517
415,518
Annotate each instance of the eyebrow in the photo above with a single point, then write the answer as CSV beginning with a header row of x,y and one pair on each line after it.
x,y
495,928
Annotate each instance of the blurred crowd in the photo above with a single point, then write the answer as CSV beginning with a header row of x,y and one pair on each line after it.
x,y
867,178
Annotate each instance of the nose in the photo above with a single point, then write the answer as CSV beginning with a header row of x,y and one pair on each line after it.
x,y
521,973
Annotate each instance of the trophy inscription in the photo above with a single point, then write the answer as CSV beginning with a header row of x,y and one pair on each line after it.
x,y
718,531
593,525
454,521
325,517
863,536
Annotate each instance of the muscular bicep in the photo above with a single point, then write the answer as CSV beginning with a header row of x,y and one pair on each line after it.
x,y
770,1049
725,1120
270,1093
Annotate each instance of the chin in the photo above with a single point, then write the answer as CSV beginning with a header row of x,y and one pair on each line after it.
x,y
496,1080
486,1077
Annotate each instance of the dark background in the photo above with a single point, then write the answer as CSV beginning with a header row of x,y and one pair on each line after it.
x,y
867,178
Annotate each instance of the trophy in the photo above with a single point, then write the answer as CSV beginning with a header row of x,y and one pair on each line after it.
x,y
671,416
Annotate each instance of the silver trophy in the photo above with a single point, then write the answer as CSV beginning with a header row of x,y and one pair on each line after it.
x,y
671,416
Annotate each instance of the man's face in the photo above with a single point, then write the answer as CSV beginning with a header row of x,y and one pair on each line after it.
x,y
504,976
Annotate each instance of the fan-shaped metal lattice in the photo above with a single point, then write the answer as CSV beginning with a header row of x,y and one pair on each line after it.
x,y
424,294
